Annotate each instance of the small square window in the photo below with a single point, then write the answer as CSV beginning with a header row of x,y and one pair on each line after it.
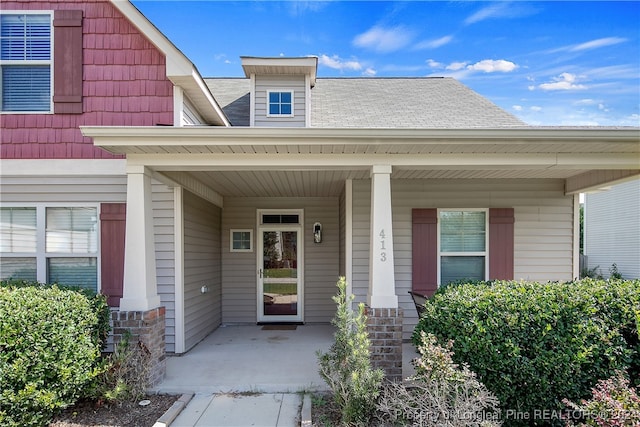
x,y
280,103
241,241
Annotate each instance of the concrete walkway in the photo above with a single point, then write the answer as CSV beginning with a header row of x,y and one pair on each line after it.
x,y
229,410
249,376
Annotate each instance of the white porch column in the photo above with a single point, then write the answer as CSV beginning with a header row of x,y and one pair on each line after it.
x,y
382,293
140,292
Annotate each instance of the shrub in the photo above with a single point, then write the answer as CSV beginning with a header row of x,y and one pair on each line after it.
x,y
346,367
532,344
99,302
50,342
125,374
441,393
613,403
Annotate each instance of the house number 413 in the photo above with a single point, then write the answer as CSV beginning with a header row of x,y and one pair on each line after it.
x,y
383,249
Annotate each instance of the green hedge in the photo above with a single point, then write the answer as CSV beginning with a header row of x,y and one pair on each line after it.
x,y
535,344
50,347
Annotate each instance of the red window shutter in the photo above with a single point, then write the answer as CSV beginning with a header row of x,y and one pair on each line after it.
x,y
425,251
501,246
67,62
112,235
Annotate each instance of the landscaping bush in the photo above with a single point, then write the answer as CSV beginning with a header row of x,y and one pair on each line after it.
x,y
613,403
534,344
50,342
440,394
346,367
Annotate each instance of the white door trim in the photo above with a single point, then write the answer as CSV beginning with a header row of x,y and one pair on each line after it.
x,y
299,228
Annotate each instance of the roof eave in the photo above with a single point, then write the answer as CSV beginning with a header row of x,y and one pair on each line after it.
x,y
524,134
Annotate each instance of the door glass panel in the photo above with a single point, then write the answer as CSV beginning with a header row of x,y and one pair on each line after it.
x,y
280,273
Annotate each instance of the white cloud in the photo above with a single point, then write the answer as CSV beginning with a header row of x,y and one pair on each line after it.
x,y
586,101
300,7
384,40
455,66
433,44
503,9
434,64
565,81
492,11
462,69
517,107
492,66
369,72
535,108
338,63
595,44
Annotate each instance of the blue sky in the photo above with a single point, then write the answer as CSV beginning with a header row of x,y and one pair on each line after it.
x,y
547,62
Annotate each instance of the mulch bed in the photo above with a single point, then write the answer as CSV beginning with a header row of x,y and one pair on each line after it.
x,y
122,414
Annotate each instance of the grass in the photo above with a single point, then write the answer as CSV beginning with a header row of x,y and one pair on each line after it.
x,y
281,288
281,273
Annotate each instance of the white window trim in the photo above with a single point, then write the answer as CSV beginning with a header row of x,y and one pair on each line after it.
x,y
41,255
293,102
27,62
484,253
241,230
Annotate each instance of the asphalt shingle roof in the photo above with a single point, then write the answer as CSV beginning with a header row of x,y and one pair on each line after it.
x,y
441,103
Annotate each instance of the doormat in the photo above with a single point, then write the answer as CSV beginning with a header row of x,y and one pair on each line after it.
x,y
279,327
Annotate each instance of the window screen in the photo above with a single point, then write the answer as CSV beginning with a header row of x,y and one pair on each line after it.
x,y
72,230
18,230
25,62
462,245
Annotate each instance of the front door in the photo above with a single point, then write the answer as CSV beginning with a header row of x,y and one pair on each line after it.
x,y
279,274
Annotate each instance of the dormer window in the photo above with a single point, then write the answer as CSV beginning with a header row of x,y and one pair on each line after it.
x,y
280,103
25,61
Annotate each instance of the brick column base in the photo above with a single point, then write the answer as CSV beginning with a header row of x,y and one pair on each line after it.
x,y
384,326
146,327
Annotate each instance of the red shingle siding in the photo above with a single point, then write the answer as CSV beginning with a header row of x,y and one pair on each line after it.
x,y
124,84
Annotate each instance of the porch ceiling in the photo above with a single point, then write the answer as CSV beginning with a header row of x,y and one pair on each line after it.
x,y
323,183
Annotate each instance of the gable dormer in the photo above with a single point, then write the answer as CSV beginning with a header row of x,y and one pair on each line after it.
x,y
280,90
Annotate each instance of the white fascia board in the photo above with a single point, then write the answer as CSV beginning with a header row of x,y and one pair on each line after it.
x,y
62,167
370,136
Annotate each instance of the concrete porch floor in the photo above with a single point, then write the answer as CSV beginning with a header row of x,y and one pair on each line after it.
x,y
244,359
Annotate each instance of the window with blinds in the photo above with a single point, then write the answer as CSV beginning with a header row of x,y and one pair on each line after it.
x,y
25,62
50,244
463,245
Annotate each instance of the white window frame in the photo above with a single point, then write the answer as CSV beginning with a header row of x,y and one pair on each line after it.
x,y
32,62
241,230
484,253
293,101
41,255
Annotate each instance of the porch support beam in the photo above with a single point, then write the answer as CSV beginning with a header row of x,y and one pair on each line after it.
x,y
596,180
140,292
463,161
382,292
